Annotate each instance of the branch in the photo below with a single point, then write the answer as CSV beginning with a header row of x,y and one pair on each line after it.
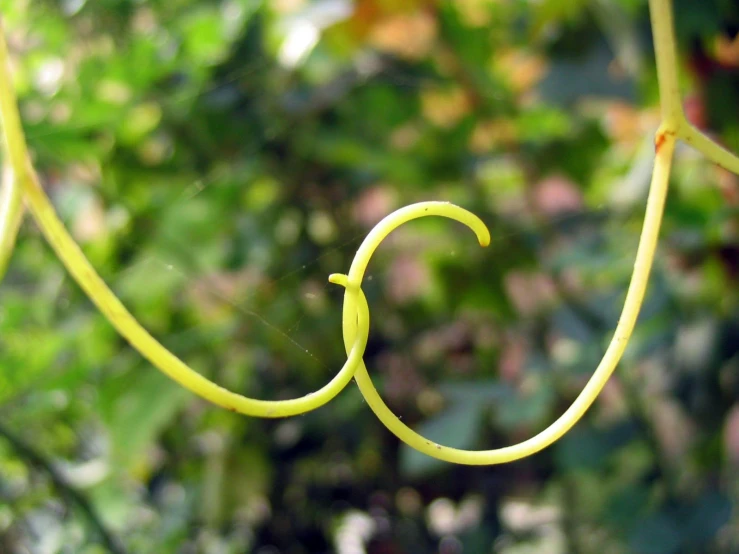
x,y
673,116
710,149
66,490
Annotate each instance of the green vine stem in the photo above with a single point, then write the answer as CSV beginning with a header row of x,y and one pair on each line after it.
x,y
14,156
718,155
632,305
665,50
356,312
11,215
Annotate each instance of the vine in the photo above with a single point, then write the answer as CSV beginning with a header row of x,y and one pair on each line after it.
x,y
20,181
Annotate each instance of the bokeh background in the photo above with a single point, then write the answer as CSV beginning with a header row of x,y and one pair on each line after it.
x,y
217,160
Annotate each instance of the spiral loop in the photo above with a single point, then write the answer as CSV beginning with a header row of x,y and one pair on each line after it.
x,y
355,323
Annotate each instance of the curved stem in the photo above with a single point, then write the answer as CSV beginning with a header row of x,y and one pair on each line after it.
x,y
113,309
122,320
624,328
356,311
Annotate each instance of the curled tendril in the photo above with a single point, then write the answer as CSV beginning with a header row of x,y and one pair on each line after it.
x,y
356,311
354,321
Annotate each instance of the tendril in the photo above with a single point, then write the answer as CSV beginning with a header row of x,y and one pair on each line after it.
x,y
356,318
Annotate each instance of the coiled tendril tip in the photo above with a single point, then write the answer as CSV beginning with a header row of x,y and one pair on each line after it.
x,y
339,279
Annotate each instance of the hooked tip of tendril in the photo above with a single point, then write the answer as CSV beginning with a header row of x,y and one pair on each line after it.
x,y
483,236
339,279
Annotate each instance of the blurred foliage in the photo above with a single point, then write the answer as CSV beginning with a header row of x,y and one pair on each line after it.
x,y
218,159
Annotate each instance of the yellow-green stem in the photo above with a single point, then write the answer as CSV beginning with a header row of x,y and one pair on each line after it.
x,y
665,49
14,156
22,179
718,155
14,140
632,305
11,215
111,307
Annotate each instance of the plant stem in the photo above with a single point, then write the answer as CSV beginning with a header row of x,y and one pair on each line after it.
x,y
17,151
14,157
29,453
11,215
673,116
710,149
71,255
356,312
665,50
